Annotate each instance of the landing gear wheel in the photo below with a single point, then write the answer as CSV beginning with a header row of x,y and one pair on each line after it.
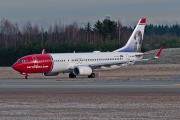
x,y
27,77
72,75
92,75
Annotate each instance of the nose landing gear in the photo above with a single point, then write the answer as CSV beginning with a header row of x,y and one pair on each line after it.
x,y
26,75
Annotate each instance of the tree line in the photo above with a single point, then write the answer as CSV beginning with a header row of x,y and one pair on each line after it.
x,y
104,35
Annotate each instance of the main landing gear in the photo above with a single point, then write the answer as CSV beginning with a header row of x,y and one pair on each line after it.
x,y
92,75
72,75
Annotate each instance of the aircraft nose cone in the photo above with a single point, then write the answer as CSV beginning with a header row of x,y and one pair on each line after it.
x,y
15,66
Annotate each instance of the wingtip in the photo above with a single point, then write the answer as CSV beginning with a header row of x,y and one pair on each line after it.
x,y
158,53
43,51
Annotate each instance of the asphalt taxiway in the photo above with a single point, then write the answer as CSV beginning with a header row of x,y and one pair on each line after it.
x,y
80,85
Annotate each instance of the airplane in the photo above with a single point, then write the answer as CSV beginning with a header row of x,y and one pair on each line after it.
x,y
84,64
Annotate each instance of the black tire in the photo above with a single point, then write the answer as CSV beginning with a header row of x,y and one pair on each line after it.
x,y
92,75
72,75
26,77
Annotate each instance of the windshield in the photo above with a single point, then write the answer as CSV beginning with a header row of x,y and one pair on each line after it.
x,y
22,61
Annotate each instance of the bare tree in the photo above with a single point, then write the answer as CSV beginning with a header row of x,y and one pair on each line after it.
x,y
119,26
50,32
35,31
7,30
71,32
27,30
15,35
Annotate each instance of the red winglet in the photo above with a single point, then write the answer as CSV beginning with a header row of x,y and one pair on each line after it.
x,y
143,20
158,53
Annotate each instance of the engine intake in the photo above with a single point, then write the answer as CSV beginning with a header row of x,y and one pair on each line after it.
x,y
82,70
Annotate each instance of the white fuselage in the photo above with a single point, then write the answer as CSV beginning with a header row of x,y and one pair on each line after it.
x,y
63,62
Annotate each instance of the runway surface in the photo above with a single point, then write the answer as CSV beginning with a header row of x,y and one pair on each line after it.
x,y
89,85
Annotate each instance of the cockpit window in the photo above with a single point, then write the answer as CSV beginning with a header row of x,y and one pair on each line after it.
x,y
23,61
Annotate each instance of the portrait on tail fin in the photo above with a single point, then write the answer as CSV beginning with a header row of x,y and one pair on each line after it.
x,y
134,43
138,39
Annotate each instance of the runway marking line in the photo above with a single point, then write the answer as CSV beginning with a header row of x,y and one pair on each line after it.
x,y
91,86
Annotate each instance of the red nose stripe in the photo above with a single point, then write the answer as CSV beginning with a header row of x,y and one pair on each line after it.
x,y
39,63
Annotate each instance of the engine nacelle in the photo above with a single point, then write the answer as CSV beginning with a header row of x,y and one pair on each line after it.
x,y
82,70
51,74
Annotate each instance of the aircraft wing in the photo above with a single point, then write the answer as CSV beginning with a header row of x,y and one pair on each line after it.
x,y
115,63
106,64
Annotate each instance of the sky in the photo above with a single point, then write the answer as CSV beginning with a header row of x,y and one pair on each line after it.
x,y
47,12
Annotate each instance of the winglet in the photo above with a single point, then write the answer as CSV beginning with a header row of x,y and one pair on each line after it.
x,y
158,53
43,51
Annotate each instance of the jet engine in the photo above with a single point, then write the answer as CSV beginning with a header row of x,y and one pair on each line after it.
x,y
51,74
82,70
